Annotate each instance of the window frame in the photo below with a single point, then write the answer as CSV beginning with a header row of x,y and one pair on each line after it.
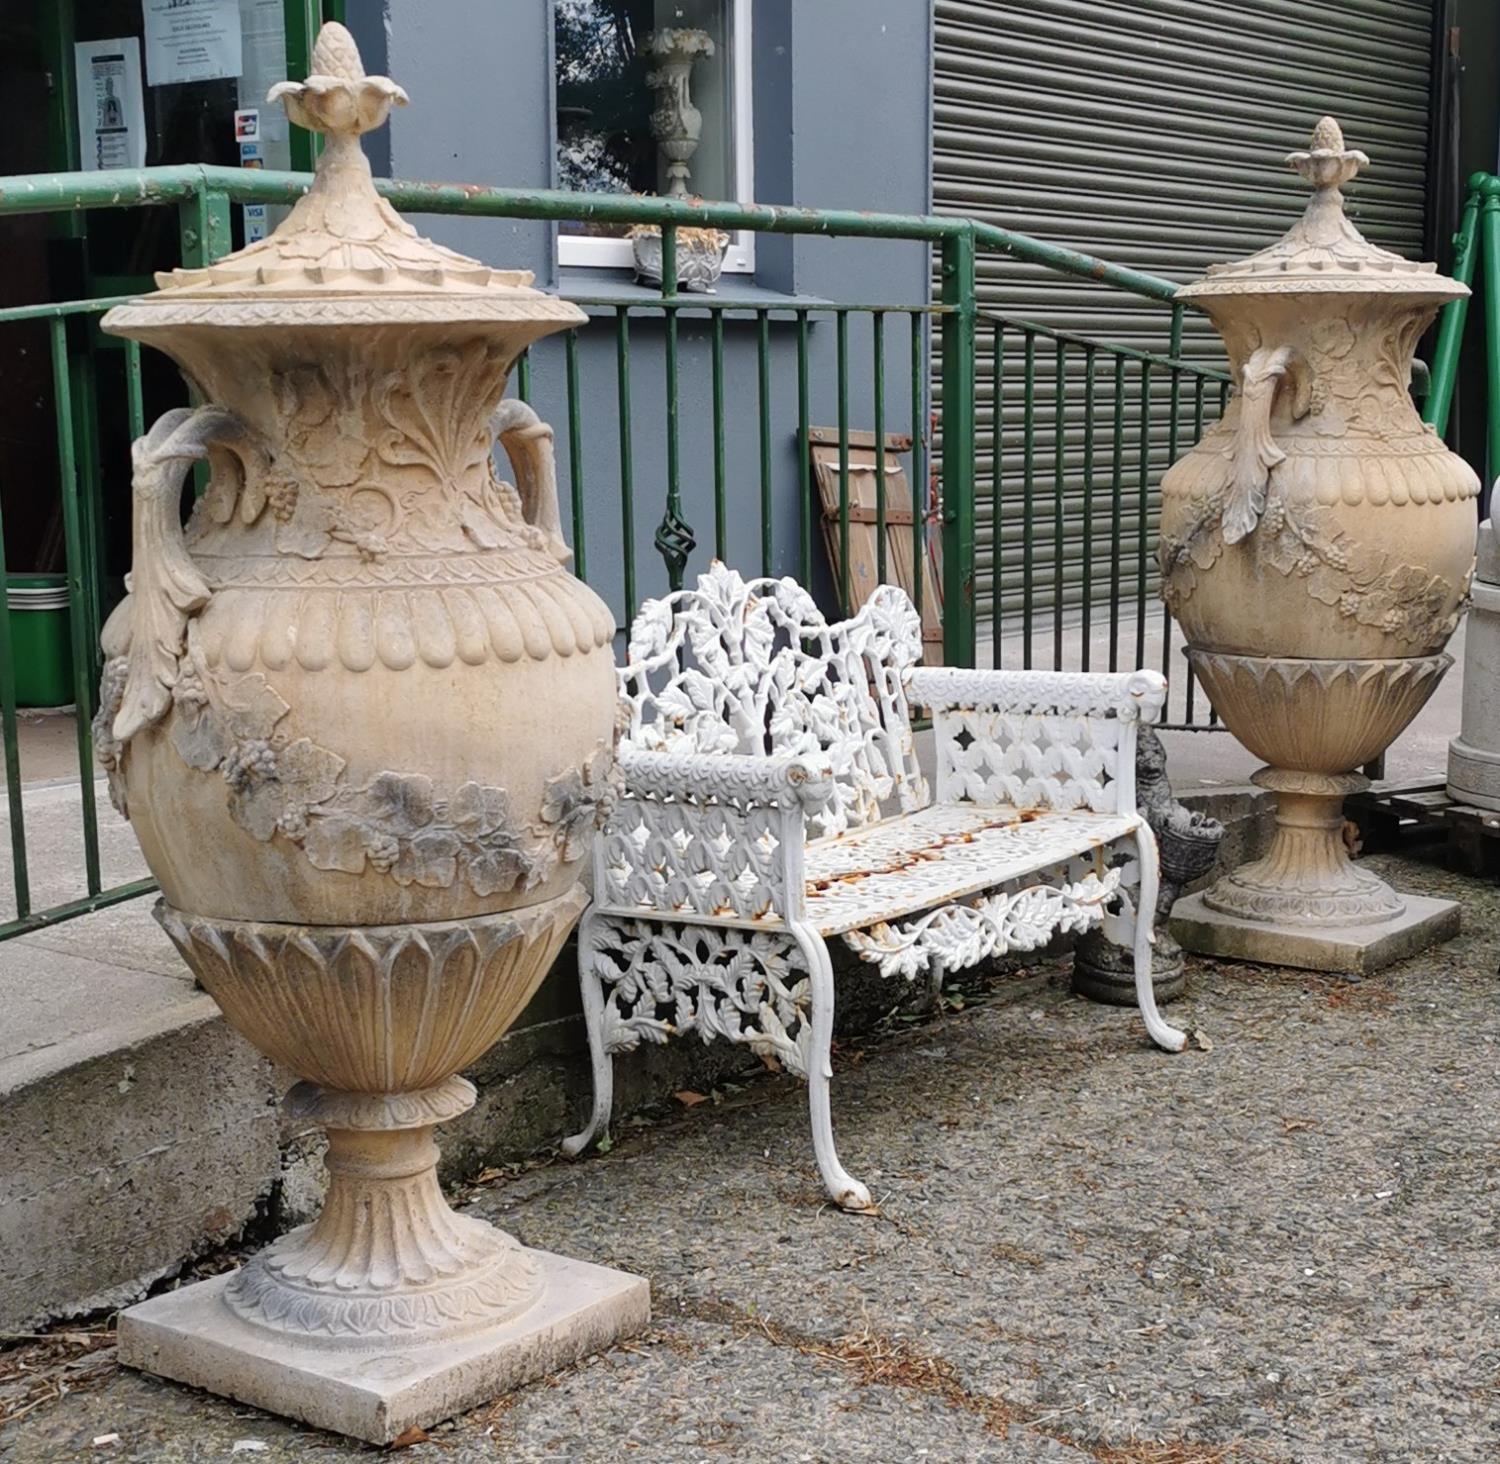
x,y
584,252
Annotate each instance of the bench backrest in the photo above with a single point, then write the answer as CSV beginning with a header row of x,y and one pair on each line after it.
x,y
752,666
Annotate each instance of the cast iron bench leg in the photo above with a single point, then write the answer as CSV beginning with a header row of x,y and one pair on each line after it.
x,y
592,991
1162,1032
845,1191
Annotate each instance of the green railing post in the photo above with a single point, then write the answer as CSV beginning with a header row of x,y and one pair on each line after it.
x,y
203,236
203,227
674,535
958,293
78,572
1450,337
20,873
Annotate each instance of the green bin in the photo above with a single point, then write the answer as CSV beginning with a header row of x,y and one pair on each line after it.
x,y
41,634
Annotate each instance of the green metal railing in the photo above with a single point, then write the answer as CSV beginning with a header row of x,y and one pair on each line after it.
x,y
1080,432
1113,419
1476,250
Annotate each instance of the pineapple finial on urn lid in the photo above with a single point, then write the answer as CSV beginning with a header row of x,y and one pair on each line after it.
x,y
343,256
1323,252
1327,163
338,98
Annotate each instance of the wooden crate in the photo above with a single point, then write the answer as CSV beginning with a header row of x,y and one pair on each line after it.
x,y
864,531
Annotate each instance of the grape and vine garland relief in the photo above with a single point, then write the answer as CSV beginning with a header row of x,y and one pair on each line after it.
x,y
280,784
1296,537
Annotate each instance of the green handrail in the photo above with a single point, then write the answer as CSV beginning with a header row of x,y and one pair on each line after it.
x,y
202,195
134,187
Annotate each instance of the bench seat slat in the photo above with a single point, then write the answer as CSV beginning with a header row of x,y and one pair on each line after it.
x,y
941,853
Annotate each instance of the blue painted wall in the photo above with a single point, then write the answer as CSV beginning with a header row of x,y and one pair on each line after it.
x,y
841,120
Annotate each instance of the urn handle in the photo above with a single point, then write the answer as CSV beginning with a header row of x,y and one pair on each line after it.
x,y
148,627
1255,453
528,443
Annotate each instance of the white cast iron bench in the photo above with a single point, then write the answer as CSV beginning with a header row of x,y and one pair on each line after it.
x,y
772,801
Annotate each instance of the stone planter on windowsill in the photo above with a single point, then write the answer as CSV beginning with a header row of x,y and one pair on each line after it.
x,y
700,257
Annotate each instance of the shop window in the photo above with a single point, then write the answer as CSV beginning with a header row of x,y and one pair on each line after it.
x,y
653,97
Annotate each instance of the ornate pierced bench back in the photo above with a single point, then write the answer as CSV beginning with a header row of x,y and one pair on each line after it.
x,y
753,667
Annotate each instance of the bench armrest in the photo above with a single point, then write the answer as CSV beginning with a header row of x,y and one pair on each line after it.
x,y
709,836
727,777
1136,696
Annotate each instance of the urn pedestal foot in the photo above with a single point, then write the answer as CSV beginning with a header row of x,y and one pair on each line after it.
x,y
376,1388
1305,903
390,1310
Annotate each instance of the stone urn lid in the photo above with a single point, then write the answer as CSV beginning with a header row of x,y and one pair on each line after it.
x,y
1323,253
343,256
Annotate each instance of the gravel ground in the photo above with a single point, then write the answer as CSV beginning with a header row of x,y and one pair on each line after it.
x,y
1279,1245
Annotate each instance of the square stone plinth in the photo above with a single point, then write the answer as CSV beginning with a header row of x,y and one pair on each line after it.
x,y
376,1393
1357,948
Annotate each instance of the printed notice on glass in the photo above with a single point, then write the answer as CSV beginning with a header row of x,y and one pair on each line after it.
x,y
263,41
191,40
111,116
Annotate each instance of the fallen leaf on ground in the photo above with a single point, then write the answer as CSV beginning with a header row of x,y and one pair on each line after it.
x,y
690,1099
1203,1039
409,1436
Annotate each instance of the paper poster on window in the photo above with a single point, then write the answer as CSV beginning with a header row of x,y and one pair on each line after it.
x,y
191,40
111,117
263,64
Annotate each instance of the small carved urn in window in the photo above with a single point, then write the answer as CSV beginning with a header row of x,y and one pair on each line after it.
x,y
1316,548
361,718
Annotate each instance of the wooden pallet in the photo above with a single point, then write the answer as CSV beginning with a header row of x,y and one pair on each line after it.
x,y
864,532
1403,813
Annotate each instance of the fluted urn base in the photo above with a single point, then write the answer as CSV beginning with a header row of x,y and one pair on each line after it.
x,y
1305,902
1306,877
386,1257
390,1310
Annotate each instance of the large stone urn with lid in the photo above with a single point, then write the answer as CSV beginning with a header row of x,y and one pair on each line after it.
x,y
361,717
1316,548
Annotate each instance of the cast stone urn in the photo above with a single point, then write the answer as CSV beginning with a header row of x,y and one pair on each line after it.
x,y
676,123
1316,548
361,717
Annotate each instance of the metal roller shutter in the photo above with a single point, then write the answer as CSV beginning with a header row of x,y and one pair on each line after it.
x,y
1149,132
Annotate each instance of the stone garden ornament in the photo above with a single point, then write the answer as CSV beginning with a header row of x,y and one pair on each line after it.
x,y
1474,755
676,124
1188,842
1316,548
361,718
